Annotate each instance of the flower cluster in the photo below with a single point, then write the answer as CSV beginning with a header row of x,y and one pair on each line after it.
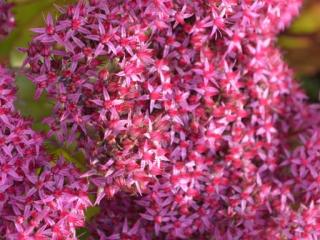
x,y
39,198
7,21
189,118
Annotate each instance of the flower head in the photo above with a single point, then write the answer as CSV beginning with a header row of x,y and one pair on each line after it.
x,y
186,114
39,198
7,21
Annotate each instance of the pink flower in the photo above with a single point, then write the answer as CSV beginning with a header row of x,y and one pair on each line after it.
x,y
39,198
189,119
7,21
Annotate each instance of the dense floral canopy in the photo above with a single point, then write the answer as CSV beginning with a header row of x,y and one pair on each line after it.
x,y
190,122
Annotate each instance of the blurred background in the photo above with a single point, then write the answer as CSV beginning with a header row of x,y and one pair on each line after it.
x,y
300,46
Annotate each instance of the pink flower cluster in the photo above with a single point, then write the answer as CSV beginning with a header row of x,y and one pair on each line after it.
x,y
7,21
188,117
39,198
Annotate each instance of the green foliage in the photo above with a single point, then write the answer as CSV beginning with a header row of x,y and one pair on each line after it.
x,y
309,21
301,45
30,107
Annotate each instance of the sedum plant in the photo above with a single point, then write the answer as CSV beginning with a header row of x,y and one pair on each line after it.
x,y
189,120
39,198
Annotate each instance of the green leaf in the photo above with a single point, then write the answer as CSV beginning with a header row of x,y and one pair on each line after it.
x,y
91,212
309,21
28,106
290,42
82,234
